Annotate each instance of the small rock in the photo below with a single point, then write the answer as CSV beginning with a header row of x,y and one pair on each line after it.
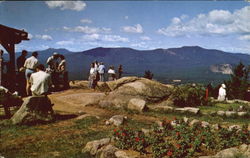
x,y
117,120
230,128
204,124
230,113
243,148
108,152
192,110
137,104
221,113
228,153
242,114
215,126
107,122
159,123
181,110
185,119
193,122
121,154
93,146
145,131
174,123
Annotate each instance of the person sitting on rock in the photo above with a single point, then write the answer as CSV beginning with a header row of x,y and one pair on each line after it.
x,y
8,99
111,73
40,81
222,93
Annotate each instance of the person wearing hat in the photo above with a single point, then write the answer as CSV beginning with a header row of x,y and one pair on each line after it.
x,y
30,65
222,93
52,63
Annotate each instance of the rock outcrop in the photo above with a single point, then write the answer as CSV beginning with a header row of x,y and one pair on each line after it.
x,y
127,88
35,109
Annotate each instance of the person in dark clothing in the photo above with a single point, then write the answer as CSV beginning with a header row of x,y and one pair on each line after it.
x,y
21,59
120,71
21,73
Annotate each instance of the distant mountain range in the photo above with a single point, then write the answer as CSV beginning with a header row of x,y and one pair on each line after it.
x,y
188,63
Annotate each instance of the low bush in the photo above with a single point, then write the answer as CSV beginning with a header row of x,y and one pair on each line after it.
x,y
189,95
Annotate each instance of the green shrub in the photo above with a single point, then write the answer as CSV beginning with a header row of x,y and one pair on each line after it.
x,y
189,95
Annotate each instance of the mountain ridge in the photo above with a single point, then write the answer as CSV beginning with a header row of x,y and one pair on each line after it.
x,y
187,63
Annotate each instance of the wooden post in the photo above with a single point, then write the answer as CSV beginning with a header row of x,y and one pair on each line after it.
x,y
12,67
1,61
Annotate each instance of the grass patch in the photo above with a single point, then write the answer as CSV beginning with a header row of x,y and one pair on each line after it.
x,y
220,106
50,141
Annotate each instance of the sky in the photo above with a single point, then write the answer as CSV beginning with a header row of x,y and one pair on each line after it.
x,y
142,25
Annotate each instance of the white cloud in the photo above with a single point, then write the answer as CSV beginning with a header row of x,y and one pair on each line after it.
x,y
67,5
92,37
63,43
105,38
126,17
145,38
87,29
245,37
115,38
216,22
139,45
87,21
44,37
133,29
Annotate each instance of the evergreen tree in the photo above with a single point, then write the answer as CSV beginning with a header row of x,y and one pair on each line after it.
x,y
238,84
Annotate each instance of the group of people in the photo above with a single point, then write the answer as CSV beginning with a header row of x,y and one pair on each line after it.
x,y
97,73
35,78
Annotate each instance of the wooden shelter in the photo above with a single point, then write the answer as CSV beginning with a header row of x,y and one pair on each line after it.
x,y
8,38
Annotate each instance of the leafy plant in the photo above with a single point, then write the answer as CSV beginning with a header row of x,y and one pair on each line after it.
x,y
189,95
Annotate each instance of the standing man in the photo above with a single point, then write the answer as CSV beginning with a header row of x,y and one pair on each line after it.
x,y
21,72
120,71
52,69
40,81
30,65
21,60
101,71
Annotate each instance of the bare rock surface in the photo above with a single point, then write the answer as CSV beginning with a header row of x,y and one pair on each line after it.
x,y
137,104
83,99
127,88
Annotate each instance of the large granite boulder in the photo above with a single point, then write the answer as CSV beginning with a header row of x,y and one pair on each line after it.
x,y
35,109
127,88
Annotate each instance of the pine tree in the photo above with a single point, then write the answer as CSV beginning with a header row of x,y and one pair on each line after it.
x,y
238,84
